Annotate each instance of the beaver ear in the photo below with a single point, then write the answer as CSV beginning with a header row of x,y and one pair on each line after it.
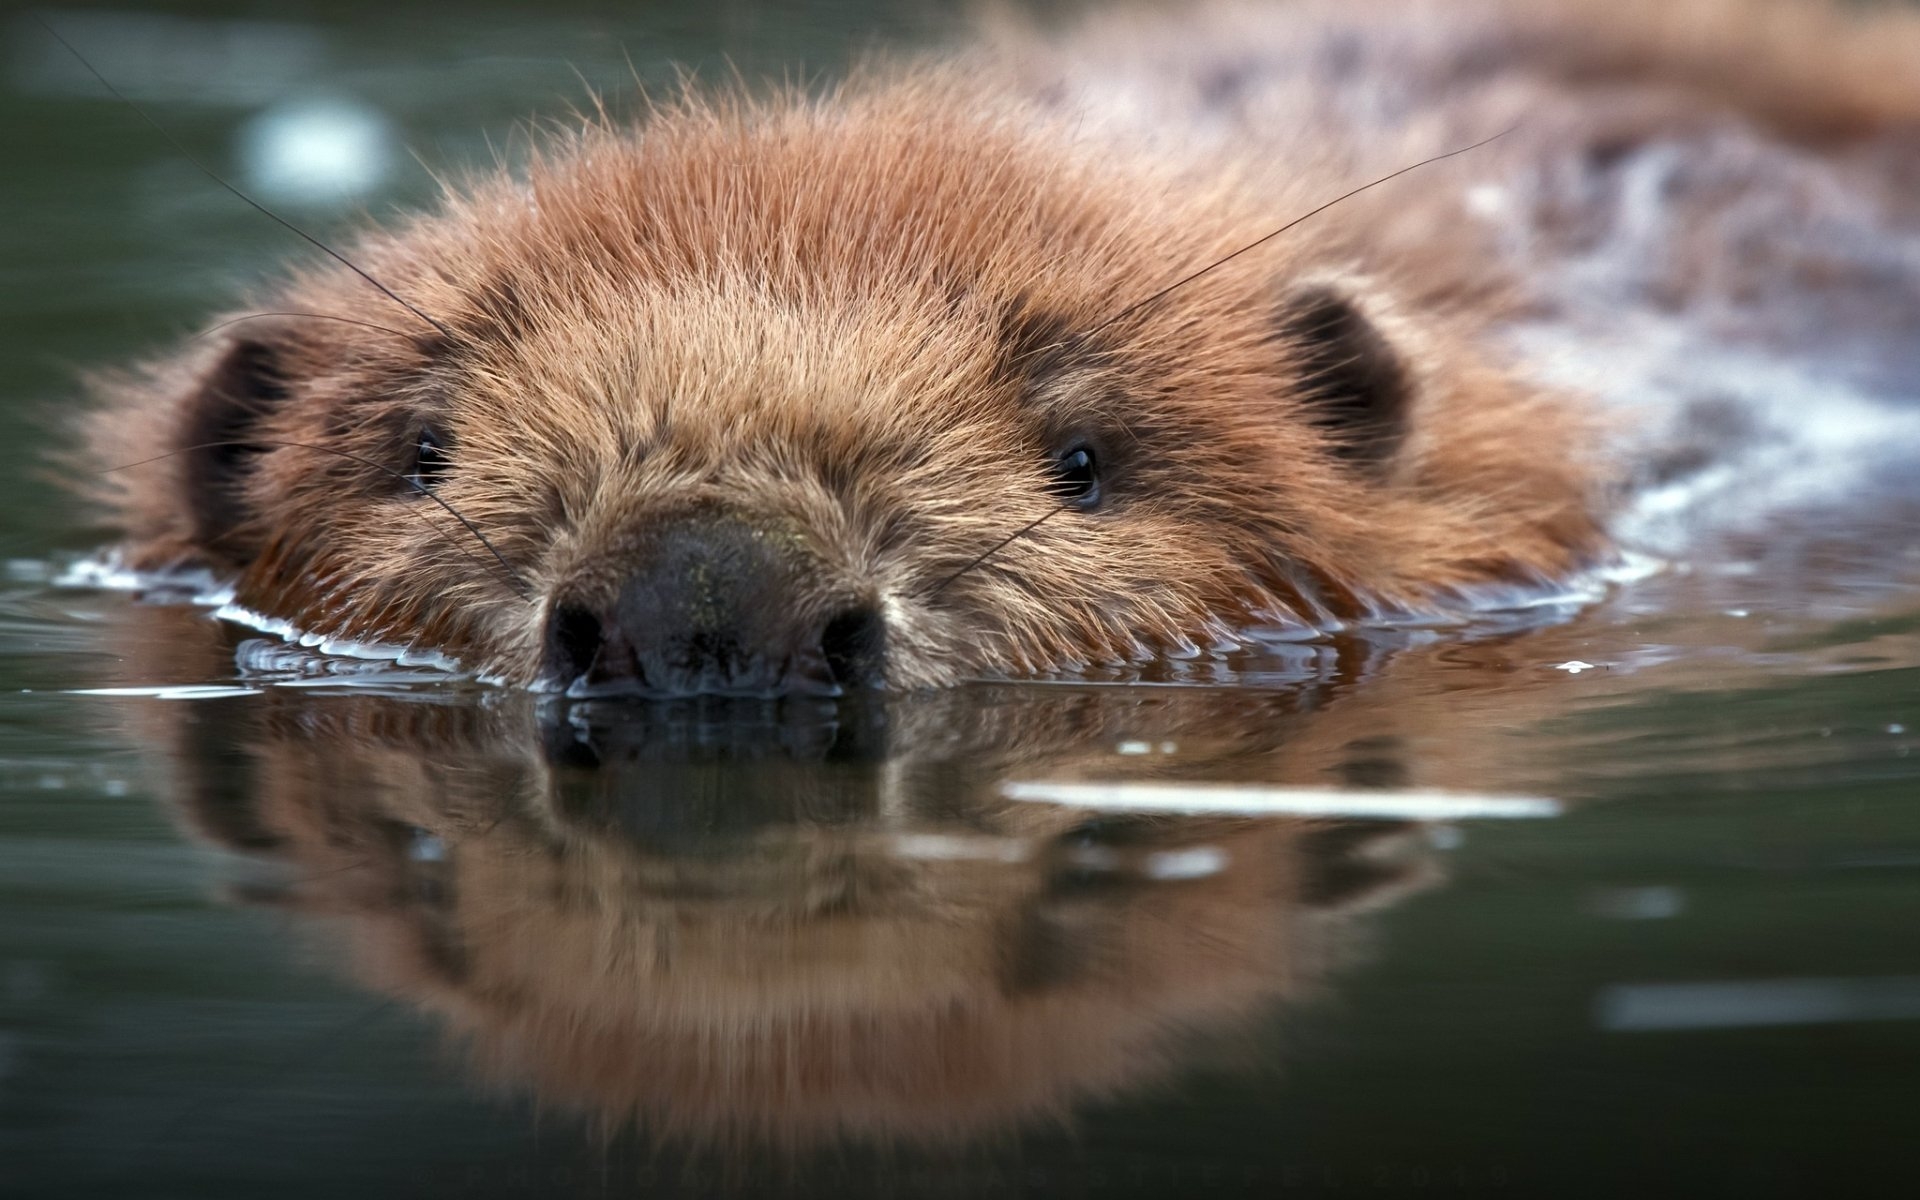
x,y
1357,387
219,432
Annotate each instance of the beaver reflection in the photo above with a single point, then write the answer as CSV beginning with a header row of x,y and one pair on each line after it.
x,y
785,926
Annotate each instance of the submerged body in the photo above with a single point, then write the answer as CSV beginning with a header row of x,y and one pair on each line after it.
x,y
800,394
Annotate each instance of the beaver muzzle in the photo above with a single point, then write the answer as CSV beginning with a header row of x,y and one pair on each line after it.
x,y
715,605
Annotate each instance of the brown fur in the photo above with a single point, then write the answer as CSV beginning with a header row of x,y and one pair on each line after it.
x,y
859,327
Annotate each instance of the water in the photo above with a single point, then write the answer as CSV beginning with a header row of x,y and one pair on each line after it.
x,y
277,921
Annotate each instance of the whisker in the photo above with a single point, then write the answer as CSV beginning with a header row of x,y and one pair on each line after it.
x,y
275,217
996,548
513,577
213,329
1163,293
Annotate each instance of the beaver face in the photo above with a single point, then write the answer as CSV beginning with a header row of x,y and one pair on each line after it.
x,y
800,396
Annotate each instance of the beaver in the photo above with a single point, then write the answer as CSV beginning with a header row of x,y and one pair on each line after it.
x,y
958,369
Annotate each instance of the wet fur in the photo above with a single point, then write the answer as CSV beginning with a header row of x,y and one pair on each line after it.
x,y
862,323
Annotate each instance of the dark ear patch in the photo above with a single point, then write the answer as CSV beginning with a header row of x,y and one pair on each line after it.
x,y
219,435
1356,386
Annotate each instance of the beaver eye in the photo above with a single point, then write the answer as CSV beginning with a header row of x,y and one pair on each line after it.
x,y
1076,477
432,458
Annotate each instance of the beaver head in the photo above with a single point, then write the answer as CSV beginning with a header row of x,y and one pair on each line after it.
x,y
797,395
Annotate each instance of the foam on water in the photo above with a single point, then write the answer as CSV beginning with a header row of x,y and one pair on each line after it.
x,y
299,658
337,647
108,572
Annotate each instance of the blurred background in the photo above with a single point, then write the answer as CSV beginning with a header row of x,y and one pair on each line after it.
x,y
330,114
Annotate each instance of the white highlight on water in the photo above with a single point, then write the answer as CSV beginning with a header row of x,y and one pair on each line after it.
x,y
1253,800
316,151
208,691
1747,1004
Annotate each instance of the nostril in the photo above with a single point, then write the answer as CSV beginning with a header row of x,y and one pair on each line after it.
x,y
574,637
853,643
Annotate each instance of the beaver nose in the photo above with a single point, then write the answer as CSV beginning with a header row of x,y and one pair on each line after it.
x,y
717,606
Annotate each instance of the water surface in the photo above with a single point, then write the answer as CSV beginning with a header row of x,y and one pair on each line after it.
x,y
274,921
